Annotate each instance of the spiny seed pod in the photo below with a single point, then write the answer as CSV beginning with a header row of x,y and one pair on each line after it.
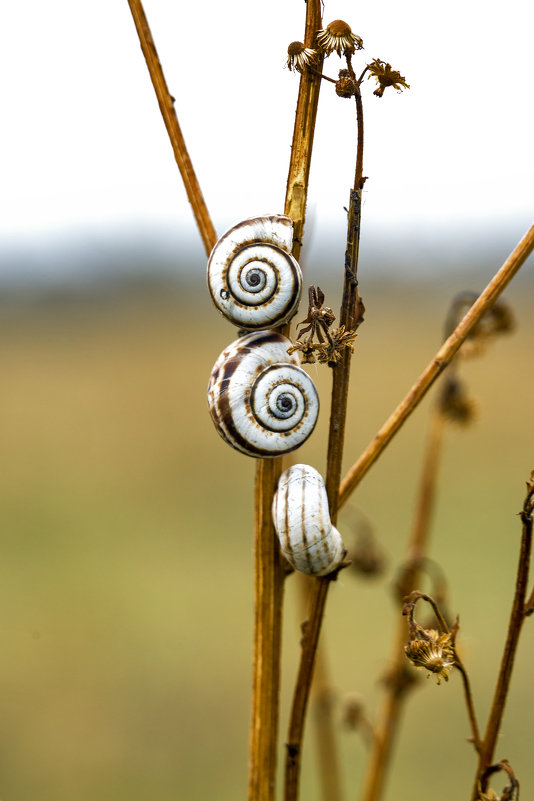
x,y
301,518
252,277
261,402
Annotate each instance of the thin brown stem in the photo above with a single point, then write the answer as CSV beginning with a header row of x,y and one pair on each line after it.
x,y
269,579
517,618
488,297
321,74
350,316
328,766
168,112
310,638
471,713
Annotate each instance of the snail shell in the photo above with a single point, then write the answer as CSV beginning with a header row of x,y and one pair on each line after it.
x,y
261,402
252,276
301,518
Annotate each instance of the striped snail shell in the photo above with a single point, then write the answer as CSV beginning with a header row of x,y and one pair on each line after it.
x,y
301,518
261,402
252,277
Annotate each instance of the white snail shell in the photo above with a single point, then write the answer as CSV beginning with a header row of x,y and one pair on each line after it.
x,y
252,277
261,402
301,518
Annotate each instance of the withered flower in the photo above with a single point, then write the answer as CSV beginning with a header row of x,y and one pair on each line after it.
x,y
338,37
306,348
455,403
386,76
331,352
299,57
345,85
431,651
497,320
319,318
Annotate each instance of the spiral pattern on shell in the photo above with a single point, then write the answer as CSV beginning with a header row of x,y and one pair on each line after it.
x,y
301,518
252,277
261,402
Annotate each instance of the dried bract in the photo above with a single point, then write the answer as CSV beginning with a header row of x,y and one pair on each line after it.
x,y
386,76
331,352
345,85
338,37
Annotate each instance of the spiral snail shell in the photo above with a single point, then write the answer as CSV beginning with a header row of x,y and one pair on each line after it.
x,y
261,402
252,277
301,518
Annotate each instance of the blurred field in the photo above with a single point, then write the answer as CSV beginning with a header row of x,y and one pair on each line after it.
x,y
126,550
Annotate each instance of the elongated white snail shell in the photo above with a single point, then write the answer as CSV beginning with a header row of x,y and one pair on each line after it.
x,y
261,401
301,518
252,276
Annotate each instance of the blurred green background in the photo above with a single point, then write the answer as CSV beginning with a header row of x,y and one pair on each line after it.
x,y
126,550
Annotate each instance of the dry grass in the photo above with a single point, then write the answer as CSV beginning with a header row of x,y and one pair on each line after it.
x,y
124,516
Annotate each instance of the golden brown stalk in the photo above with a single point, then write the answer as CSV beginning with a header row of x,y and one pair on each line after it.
x,y
269,578
498,283
166,105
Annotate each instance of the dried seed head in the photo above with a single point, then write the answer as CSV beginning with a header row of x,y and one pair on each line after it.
x,y
338,37
353,710
431,651
455,403
299,56
345,86
366,557
386,76
498,320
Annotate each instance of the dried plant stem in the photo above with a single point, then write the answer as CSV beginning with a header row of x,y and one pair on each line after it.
x,y
269,579
517,618
437,365
327,754
350,316
166,105
395,687
268,597
388,721
303,132
322,696
310,637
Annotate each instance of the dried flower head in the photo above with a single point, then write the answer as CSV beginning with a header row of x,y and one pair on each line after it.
x,y
345,85
456,404
299,57
338,37
307,350
496,321
366,556
353,710
431,651
331,352
386,76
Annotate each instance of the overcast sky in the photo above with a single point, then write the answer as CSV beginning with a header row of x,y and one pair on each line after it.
x,y
84,150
